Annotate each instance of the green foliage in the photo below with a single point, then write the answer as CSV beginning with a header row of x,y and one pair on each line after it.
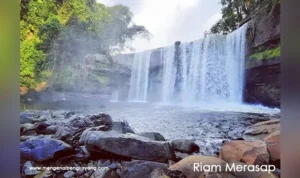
x,y
234,13
57,35
271,53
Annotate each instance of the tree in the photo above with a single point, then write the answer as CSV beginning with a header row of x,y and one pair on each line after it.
x,y
234,13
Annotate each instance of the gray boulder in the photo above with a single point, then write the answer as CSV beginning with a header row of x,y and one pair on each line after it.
x,y
136,168
127,145
63,133
27,171
25,117
37,149
152,135
122,127
185,146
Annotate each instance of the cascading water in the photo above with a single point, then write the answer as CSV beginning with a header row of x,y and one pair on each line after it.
x,y
210,69
202,71
139,77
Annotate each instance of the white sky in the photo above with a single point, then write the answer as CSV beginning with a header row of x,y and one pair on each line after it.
x,y
171,20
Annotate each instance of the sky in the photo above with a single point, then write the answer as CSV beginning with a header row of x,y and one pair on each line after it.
x,y
170,20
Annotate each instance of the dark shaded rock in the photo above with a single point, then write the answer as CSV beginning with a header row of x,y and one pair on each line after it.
x,y
101,119
40,150
153,135
158,173
136,168
51,129
63,133
127,146
105,173
185,146
263,85
122,127
175,174
180,156
81,123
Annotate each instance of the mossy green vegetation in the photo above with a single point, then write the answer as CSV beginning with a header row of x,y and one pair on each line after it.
x,y
56,37
267,54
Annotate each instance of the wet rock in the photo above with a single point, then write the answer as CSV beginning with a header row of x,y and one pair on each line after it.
x,y
219,175
254,152
249,174
186,166
36,120
104,163
25,127
27,171
101,119
69,174
81,123
153,135
273,146
69,114
261,130
105,173
175,174
26,117
26,137
122,127
185,146
37,149
136,168
44,174
58,114
127,146
158,173
180,156
51,129
63,133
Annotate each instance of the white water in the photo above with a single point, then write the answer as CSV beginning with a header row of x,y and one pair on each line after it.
x,y
139,77
115,96
206,72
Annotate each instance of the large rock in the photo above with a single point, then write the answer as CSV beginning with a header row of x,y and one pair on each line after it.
x,y
185,146
37,149
26,117
186,166
141,169
254,152
153,135
122,127
27,171
273,145
261,130
63,133
249,174
127,146
158,173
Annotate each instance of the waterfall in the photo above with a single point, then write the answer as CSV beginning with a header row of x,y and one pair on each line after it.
x,y
205,70
115,96
139,77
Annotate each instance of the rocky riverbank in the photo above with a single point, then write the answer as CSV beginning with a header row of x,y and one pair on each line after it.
x,y
75,139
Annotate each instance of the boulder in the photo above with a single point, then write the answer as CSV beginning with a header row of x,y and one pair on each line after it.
x,y
122,127
261,130
25,127
141,169
25,117
69,174
185,146
250,174
254,152
186,166
153,135
51,129
105,173
101,119
127,146
158,173
81,123
63,133
37,149
273,146
27,171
